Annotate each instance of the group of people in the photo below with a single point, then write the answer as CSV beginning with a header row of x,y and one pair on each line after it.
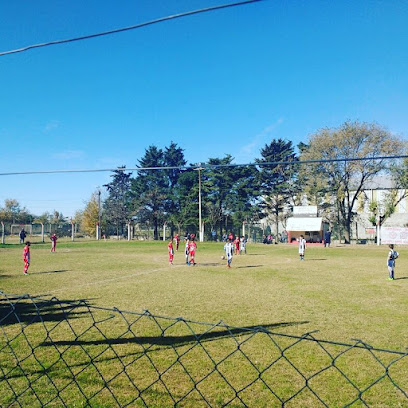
x,y
189,250
26,251
232,246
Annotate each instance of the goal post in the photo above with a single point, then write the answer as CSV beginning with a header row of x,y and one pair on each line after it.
x,y
16,228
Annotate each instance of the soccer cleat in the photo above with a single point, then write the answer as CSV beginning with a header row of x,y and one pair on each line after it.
x,y
390,278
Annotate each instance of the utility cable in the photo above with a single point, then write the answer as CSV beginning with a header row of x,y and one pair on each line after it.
x,y
206,166
133,27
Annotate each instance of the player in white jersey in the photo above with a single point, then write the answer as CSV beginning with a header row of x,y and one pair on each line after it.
x,y
229,251
302,247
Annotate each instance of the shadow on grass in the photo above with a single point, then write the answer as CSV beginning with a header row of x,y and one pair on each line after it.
x,y
27,312
402,277
162,342
177,341
249,266
45,272
205,264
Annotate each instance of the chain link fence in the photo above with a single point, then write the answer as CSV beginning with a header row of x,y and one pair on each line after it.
x,y
57,353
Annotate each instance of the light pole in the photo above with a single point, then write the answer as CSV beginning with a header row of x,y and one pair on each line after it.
x,y
200,228
99,215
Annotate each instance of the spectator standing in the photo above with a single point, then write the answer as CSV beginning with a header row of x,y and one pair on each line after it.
x,y
22,236
392,256
327,238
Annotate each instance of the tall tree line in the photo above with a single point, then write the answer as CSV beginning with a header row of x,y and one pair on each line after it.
x,y
233,194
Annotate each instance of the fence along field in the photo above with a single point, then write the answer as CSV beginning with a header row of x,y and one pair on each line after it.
x,y
56,353
63,353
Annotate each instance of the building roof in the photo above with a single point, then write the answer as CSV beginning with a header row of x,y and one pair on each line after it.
x,y
304,224
379,182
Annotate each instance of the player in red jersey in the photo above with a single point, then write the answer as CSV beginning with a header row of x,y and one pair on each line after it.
x,y
177,240
26,257
53,239
171,251
192,246
236,244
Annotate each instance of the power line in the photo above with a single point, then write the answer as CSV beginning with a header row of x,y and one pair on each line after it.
x,y
133,27
205,166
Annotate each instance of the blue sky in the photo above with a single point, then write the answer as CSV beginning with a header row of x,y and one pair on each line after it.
x,y
223,82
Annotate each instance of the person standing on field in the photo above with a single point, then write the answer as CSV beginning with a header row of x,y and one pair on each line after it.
x,y
171,251
392,256
237,243
229,251
242,248
186,252
53,239
302,247
192,246
22,235
177,240
26,257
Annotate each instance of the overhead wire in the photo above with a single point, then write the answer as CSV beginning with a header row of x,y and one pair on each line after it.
x,y
133,27
206,166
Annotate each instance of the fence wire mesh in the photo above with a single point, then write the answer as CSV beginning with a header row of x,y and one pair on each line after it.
x,y
63,353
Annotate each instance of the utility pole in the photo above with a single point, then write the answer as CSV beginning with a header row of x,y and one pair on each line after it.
x,y
99,215
200,224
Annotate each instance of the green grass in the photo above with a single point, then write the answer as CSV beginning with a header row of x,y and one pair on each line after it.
x,y
342,292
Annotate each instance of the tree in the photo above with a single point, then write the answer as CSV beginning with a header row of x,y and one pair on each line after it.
x,y
315,189
156,192
57,218
217,191
149,190
90,215
13,213
77,218
228,193
277,182
117,206
174,157
345,180
185,196
44,218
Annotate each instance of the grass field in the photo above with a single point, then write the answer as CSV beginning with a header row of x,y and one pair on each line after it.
x,y
342,292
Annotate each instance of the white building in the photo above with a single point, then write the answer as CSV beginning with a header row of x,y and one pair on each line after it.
x,y
379,190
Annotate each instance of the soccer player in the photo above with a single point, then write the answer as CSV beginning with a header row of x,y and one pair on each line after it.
x,y
229,250
186,251
302,247
237,242
242,248
53,239
192,246
171,251
26,257
177,240
392,256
